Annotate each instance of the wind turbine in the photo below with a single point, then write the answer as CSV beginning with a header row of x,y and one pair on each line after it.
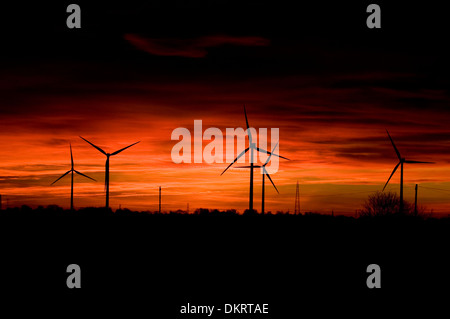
x,y
107,166
402,160
252,147
72,170
264,172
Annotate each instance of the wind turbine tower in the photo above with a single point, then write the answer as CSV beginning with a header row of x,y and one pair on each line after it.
x,y
402,160
72,170
264,172
108,155
252,148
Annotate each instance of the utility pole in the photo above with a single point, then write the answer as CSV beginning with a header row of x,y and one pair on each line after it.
x,y
160,199
297,200
0,202
187,208
415,203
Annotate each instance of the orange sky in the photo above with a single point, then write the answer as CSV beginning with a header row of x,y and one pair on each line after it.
x,y
124,77
337,157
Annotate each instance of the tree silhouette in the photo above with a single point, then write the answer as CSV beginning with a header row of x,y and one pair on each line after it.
x,y
384,204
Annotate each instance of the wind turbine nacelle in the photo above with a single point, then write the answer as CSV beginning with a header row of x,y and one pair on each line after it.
x,y
190,148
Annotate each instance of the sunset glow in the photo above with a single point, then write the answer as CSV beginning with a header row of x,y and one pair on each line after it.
x,y
331,100
337,156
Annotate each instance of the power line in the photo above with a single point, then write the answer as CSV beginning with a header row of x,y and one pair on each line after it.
x,y
340,194
437,189
366,192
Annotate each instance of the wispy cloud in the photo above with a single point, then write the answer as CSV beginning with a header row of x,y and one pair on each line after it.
x,y
333,131
190,48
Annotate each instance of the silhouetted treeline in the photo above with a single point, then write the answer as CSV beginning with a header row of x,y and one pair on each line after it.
x,y
369,212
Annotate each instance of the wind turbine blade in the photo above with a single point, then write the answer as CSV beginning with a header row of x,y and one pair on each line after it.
x,y
61,176
254,166
249,133
395,168
268,159
265,172
264,151
239,156
123,149
246,119
71,156
417,162
83,175
395,148
102,151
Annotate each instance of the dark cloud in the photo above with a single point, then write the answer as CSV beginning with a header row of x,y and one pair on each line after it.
x,y
331,85
190,48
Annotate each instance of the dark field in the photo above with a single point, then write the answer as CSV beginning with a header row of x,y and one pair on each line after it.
x,y
139,265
